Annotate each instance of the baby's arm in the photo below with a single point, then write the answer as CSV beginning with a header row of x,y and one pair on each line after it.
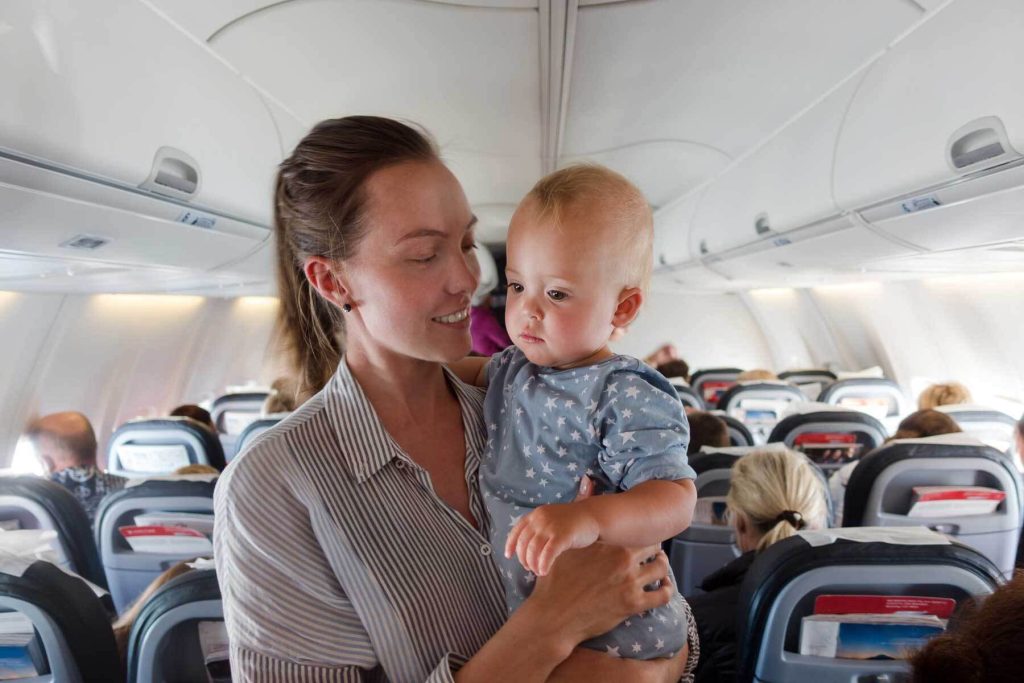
x,y
471,370
645,515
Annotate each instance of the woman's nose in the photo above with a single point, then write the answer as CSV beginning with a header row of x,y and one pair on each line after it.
x,y
466,275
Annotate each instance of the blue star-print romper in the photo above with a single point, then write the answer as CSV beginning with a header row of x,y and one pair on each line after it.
x,y
618,422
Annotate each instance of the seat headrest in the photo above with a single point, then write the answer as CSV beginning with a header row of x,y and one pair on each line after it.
x,y
831,420
161,445
232,412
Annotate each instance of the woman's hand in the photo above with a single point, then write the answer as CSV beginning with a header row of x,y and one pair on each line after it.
x,y
586,666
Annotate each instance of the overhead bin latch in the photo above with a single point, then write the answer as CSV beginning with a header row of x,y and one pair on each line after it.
x,y
979,144
174,174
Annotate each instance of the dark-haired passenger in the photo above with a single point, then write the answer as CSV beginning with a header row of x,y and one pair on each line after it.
x,y
675,368
200,415
66,445
706,430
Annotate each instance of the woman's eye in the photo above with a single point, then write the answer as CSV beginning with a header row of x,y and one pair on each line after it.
x,y
515,287
556,295
425,259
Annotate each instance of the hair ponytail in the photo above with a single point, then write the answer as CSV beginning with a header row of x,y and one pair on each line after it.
x,y
779,493
319,210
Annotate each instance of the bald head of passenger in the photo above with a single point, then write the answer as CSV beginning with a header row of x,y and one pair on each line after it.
x,y
63,440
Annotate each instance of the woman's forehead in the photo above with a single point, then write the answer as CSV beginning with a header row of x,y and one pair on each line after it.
x,y
412,199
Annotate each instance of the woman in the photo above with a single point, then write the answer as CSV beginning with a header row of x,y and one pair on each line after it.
x,y
772,495
349,544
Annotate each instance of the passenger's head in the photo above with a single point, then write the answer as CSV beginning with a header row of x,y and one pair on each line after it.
x,y
675,368
984,646
706,430
123,625
197,468
63,440
196,413
579,259
1019,433
282,397
369,220
756,375
925,423
949,393
772,495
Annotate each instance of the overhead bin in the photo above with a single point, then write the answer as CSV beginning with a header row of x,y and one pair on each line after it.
x,y
785,184
672,227
116,124
929,150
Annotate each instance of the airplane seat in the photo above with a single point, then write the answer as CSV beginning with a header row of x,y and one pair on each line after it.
x,y
829,435
988,425
781,585
879,397
252,430
810,382
880,491
689,397
712,383
709,542
73,641
129,572
164,643
28,502
232,413
146,447
739,434
759,405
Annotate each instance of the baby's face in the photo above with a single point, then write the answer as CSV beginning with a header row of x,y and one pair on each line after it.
x,y
563,286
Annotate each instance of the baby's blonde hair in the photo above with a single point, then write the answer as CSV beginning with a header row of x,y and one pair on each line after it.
x,y
765,484
559,194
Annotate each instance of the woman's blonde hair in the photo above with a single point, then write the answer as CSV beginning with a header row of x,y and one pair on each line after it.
x,y
947,394
756,375
778,492
123,626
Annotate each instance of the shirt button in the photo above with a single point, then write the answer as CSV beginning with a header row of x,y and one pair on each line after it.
x,y
400,464
485,550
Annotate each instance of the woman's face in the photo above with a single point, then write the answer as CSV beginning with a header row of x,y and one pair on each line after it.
x,y
412,276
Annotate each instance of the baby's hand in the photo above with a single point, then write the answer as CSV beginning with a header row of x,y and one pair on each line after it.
x,y
545,533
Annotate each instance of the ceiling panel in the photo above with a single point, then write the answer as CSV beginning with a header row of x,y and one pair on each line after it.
x,y
721,74
471,75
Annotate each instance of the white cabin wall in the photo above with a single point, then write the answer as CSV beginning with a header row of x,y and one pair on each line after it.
x,y
117,357
709,330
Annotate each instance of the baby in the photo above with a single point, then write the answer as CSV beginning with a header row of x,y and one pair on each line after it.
x,y
561,405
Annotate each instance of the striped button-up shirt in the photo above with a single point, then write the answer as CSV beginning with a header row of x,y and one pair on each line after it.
x,y
338,562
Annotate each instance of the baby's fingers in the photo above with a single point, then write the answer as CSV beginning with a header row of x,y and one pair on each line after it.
x,y
537,543
548,555
513,537
523,545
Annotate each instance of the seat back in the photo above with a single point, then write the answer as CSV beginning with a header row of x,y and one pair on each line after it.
x,y
36,503
251,431
829,436
129,572
710,384
164,644
993,427
780,589
759,405
72,640
233,412
810,382
159,446
879,492
879,397
739,434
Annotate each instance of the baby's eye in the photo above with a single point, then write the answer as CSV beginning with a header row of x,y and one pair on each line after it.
x,y
469,246
556,295
515,287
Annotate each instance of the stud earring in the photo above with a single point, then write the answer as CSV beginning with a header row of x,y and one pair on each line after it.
x,y
347,308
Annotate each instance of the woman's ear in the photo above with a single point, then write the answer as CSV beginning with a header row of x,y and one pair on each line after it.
x,y
630,300
322,274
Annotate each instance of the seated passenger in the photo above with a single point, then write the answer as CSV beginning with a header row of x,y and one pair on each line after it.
x,y
917,425
706,430
949,393
985,644
772,495
675,368
283,397
123,625
489,335
1019,434
196,468
66,445
200,415
663,354
757,375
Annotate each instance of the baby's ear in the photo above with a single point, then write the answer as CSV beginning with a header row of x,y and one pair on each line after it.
x,y
630,300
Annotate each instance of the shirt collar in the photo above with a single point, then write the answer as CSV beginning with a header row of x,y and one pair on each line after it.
x,y
366,444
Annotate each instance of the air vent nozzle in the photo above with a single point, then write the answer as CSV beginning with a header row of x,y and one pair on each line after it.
x,y
89,242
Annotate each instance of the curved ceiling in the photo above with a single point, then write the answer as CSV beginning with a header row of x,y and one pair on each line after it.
x,y
668,92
